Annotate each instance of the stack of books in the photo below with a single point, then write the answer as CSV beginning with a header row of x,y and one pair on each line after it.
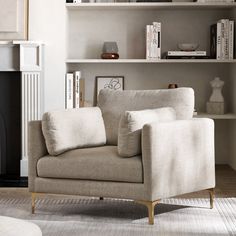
x,y
74,90
153,41
222,40
215,1
186,55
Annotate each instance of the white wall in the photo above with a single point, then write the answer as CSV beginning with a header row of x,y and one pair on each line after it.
x,y
47,24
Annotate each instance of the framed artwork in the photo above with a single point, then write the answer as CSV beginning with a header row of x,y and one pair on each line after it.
x,y
14,19
110,82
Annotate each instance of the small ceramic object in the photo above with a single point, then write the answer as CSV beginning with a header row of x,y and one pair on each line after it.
x,y
172,86
110,50
110,47
188,46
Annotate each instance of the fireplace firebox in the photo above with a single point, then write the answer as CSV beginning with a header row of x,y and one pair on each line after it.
x,y
10,124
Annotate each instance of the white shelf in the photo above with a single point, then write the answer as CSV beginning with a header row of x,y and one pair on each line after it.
x,y
228,116
151,6
144,61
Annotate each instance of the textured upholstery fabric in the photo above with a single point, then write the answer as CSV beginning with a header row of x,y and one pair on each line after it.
x,y
178,157
131,124
36,149
73,128
100,163
92,188
114,103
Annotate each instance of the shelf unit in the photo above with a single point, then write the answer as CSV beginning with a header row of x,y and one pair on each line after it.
x,y
148,6
227,116
90,24
75,61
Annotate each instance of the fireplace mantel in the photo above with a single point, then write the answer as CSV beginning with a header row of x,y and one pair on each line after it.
x,y
25,57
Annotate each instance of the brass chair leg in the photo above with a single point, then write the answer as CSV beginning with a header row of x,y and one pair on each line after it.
x,y
212,195
33,196
150,206
101,198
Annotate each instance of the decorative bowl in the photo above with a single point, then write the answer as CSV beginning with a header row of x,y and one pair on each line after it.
x,y
188,46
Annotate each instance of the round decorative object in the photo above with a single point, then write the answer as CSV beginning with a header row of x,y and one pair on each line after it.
x,y
188,46
16,227
110,56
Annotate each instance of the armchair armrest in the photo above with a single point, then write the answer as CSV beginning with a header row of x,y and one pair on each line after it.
x,y
178,157
36,150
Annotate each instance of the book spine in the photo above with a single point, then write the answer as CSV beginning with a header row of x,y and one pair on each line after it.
x,y
231,40
77,78
81,92
222,39
218,47
69,90
215,1
213,41
148,42
153,48
183,53
157,39
226,32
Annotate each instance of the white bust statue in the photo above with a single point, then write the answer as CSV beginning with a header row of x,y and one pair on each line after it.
x,y
217,86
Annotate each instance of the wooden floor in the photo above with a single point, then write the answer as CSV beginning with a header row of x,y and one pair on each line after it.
x,y
225,186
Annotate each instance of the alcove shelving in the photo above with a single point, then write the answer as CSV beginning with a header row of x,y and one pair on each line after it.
x,y
89,25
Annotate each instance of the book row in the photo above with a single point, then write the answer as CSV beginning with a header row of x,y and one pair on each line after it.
x,y
222,40
75,87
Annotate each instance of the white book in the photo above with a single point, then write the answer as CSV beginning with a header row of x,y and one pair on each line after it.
x,y
148,41
219,39
153,45
157,39
77,77
69,90
186,53
231,40
225,38
222,39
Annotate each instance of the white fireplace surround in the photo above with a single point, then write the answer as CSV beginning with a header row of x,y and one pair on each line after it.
x,y
26,57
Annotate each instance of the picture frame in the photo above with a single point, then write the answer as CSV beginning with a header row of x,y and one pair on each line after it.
x,y
109,82
16,26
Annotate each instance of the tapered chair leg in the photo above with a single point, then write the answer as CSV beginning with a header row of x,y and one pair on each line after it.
x,y
212,195
150,206
33,196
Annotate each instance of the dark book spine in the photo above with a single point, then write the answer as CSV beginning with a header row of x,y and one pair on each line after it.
x,y
213,41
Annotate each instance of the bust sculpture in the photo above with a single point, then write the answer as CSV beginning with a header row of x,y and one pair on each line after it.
x,y
216,104
217,85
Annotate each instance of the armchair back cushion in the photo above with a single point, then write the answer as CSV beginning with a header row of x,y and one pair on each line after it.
x,y
65,130
114,104
131,124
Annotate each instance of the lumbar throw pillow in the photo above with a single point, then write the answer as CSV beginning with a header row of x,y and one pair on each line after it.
x,y
131,124
65,130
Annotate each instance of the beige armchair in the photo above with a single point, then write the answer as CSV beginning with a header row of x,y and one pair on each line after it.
x,y
177,157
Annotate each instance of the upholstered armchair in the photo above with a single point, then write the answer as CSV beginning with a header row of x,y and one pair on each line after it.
x,y
80,152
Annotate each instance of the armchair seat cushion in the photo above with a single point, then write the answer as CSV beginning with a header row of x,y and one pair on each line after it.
x,y
98,163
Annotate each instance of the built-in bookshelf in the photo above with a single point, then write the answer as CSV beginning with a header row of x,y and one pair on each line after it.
x,y
149,6
90,24
141,61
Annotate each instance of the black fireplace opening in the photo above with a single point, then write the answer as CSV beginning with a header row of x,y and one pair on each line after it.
x,y
10,125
